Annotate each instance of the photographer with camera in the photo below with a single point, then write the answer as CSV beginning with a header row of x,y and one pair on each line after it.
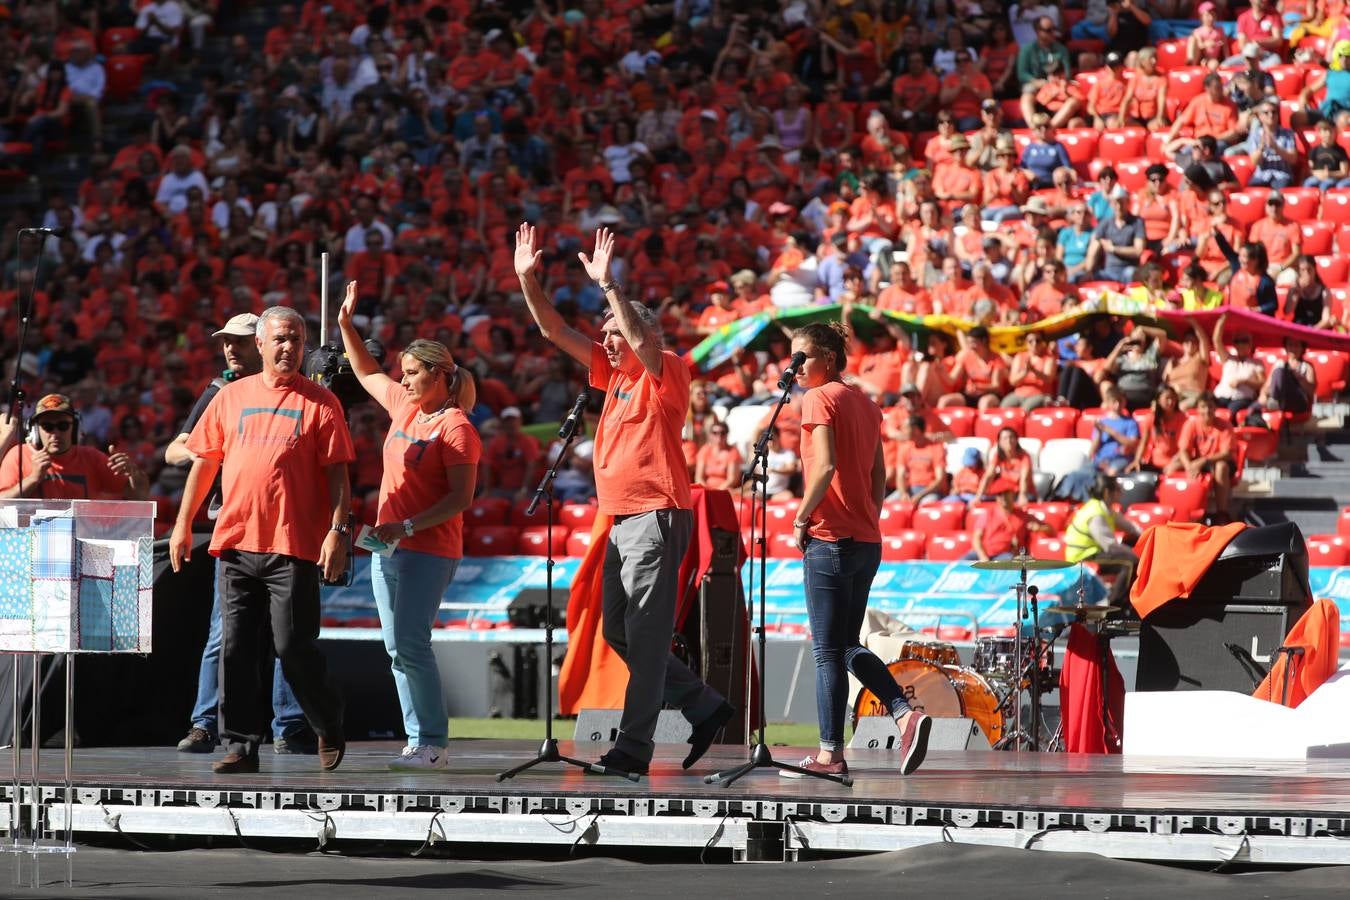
x,y
290,734
55,466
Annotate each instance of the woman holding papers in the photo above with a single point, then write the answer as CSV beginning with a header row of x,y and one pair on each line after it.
x,y
430,469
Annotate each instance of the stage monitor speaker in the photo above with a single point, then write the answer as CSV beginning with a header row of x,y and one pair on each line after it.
x,y
949,733
529,608
1222,636
601,726
715,630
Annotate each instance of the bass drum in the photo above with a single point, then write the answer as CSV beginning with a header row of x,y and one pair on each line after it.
x,y
943,692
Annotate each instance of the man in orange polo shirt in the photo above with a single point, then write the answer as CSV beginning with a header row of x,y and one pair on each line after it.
x,y
642,483
282,447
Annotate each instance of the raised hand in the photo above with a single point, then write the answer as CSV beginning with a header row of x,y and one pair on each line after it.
x,y
597,265
348,308
527,255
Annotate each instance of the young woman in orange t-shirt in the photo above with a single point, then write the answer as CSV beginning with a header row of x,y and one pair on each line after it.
x,y
430,470
837,527
718,464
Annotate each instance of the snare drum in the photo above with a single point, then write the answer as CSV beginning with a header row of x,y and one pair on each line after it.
x,y
937,652
996,657
940,691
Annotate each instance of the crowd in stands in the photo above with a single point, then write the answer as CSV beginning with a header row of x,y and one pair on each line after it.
x,y
996,164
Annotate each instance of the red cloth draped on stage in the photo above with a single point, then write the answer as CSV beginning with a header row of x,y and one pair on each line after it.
x,y
1318,632
592,675
1173,558
1089,671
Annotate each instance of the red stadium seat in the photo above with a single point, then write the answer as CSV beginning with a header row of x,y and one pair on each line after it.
x,y
116,40
976,511
1288,80
1043,546
1339,298
1171,55
518,517
783,546
1051,422
1343,522
1246,206
1242,167
578,542
576,515
1327,550
948,547
1188,496
487,511
1330,367
991,421
491,540
960,420
1302,204
1087,421
123,76
1081,144
896,516
779,518
939,517
902,547
1185,83
1336,206
1147,514
1131,173
1319,237
1259,444
1334,270
1119,144
533,541
1055,513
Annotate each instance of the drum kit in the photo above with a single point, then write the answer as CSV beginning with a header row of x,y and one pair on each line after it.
x,y
1004,670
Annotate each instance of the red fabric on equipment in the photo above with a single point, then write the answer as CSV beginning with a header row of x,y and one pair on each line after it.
x,y
1092,712
592,675
1318,632
1173,557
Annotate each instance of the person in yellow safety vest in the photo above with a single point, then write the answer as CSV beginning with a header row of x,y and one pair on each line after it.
x,y
1091,536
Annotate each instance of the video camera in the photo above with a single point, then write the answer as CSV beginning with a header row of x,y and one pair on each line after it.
x,y
330,367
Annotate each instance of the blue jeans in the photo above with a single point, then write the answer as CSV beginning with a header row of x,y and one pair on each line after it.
x,y
289,719
838,578
408,588
1272,178
1326,183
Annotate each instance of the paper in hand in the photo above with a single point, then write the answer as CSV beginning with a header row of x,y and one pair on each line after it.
x,y
367,540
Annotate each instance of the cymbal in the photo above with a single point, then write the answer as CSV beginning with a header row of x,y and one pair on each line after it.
x,y
1018,563
1087,612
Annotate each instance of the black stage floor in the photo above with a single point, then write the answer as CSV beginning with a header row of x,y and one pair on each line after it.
x,y
976,779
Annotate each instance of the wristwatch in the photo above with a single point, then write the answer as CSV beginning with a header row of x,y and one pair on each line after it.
x,y
608,286
408,527
341,528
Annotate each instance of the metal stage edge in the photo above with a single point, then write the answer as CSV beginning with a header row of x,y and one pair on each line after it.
x,y
1159,809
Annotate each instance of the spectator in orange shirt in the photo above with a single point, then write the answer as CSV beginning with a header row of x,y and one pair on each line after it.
x,y
1057,97
920,464
509,459
904,294
981,375
1107,93
1206,446
1282,237
1209,113
1006,186
1000,532
721,309
915,94
958,183
1034,375
718,464
963,91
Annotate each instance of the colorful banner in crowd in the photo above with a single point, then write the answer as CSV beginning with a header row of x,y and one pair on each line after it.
x,y
753,332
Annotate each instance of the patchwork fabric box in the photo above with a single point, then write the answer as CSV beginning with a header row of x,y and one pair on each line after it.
x,y
76,576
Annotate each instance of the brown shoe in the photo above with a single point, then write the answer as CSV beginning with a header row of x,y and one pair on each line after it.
x,y
331,752
235,764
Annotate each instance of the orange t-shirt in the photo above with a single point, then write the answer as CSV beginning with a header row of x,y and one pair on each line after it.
x,y
1198,440
1002,532
416,457
1279,238
81,473
1205,116
849,509
720,467
508,458
274,443
639,462
921,464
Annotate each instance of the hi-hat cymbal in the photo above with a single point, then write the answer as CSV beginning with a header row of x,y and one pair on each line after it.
x,y
1018,563
1090,613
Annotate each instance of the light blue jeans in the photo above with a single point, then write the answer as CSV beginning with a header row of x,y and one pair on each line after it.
x,y
408,587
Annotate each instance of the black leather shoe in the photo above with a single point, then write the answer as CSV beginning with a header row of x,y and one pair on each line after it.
x,y
706,732
617,762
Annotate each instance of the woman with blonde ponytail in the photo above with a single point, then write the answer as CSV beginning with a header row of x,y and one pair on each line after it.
x,y
430,470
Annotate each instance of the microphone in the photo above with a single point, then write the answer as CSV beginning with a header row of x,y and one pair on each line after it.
x,y
790,373
53,232
569,425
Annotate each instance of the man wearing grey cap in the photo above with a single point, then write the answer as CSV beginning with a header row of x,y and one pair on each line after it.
x,y
289,729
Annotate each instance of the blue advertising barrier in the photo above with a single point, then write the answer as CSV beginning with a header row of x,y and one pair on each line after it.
x,y
922,594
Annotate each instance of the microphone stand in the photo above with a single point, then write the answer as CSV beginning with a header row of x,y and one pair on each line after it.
x,y
16,394
548,751
760,757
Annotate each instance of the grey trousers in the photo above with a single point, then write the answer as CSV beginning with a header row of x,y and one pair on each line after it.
x,y
642,567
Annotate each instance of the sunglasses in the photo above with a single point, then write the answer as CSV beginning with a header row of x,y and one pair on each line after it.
x,y
56,427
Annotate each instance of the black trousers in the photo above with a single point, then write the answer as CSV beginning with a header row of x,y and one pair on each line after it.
x,y
269,603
